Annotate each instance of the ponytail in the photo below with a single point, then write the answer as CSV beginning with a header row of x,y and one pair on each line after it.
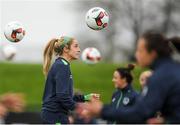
x,y
48,53
54,46
174,43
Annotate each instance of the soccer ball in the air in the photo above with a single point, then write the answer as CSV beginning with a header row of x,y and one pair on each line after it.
x,y
14,31
91,55
97,18
9,52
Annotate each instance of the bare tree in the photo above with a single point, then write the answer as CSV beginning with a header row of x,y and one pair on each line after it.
x,y
136,16
169,23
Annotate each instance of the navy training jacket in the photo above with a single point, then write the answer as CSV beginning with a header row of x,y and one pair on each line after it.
x,y
162,93
58,93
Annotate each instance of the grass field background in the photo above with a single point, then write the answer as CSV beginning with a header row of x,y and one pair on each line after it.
x,y
28,79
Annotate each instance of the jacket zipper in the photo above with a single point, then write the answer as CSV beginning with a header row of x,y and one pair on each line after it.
x,y
118,103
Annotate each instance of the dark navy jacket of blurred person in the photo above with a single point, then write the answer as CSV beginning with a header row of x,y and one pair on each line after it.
x,y
162,92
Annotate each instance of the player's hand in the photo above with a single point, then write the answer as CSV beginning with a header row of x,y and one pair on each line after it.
x,y
92,95
155,120
92,108
3,111
13,101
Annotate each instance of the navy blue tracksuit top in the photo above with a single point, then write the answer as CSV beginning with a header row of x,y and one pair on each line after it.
x,y
125,97
162,93
58,94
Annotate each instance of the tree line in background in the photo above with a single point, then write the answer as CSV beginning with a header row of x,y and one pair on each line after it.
x,y
134,16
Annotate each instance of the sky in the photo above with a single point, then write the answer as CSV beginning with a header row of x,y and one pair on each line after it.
x,y
42,20
47,19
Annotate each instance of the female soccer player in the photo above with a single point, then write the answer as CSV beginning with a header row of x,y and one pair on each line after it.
x,y
58,96
125,95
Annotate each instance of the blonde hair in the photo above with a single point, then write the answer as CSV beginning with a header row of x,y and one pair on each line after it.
x,y
54,47
145,75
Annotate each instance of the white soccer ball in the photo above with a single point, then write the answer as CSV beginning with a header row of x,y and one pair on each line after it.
x,y
97,18
14,31
9,52
91,55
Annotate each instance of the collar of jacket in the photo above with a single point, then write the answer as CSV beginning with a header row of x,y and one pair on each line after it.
x,y
126,88
63,60
159,61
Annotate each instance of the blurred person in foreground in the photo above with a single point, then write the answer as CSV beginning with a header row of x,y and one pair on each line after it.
x,y
11,102
162,92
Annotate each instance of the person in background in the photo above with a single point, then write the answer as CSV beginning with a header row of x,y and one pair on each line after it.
x,y
144,77
125,95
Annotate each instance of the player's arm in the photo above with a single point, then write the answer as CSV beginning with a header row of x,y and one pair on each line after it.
x,y
146,106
